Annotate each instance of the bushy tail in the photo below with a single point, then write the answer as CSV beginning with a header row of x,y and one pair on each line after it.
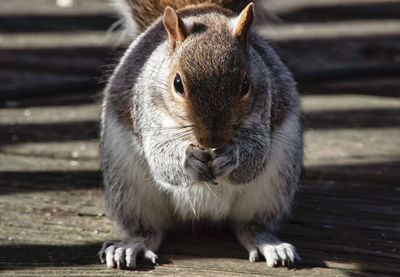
x,y
139,14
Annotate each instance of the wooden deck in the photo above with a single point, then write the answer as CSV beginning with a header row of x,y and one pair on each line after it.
x,y
346,220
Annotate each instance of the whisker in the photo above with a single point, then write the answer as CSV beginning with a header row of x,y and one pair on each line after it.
x,y
191,204
256,135
179,136
212,192
252,127
163,129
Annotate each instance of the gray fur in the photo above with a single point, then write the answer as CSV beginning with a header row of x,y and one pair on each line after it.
x,y
156,176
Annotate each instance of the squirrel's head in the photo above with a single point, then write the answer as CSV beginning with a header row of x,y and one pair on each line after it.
x,y
210,79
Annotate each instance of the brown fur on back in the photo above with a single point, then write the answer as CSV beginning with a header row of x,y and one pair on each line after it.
x,y
146,12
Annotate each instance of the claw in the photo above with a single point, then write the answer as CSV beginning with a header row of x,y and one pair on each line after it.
x,y
151,256
253,255
130,258
119,257
280,251
110,256
102,252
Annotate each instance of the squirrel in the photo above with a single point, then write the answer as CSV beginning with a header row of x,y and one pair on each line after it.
x,y
200,121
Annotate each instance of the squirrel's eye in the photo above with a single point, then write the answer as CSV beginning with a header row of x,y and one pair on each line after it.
x,y
245,86
178,85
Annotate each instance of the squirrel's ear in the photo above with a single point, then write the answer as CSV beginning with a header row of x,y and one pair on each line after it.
x,y
176,28
242,25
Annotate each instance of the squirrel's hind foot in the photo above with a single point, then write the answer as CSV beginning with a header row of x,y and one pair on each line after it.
x,y
275,252
123,255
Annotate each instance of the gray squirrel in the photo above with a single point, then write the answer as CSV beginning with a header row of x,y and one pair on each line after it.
x,y
200,121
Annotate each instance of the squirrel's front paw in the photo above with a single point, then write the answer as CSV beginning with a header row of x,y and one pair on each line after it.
x,y
226,160
196,161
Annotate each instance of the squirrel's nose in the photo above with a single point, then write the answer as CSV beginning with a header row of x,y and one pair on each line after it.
x,y
213,141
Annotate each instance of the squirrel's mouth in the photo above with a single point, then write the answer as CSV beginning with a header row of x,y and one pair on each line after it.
x,y
215,135
213,140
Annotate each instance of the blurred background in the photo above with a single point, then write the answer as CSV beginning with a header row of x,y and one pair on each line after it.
x,y
53,46
55,56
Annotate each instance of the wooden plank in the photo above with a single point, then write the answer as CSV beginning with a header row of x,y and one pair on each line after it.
x,y
53,23
44,40
341,29
50,7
